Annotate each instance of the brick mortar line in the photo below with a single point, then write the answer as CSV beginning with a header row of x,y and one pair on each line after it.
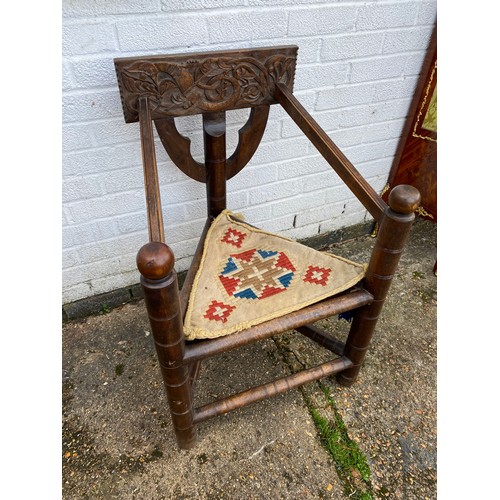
x,y
74,20
111,54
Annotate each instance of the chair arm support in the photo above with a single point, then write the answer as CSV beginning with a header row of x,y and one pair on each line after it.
x,y
332,154
151,183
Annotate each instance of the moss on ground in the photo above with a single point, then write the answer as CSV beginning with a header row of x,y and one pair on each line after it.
x,y
350,462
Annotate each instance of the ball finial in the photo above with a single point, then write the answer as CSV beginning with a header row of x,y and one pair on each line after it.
x,y
155,260
404,199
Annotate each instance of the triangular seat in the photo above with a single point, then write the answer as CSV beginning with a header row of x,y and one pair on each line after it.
x,y
248,276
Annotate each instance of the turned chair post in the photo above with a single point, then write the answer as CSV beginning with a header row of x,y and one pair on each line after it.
x,y
155,261
214,139
391,239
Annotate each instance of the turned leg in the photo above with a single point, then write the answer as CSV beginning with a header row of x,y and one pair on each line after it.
x,y
155,261
391,239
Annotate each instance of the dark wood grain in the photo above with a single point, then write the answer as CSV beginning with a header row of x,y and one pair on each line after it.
x,y
270,389
391,239
250,136
178,148
161,295
214,140
151,182
203,349
415,162
210,82
323,338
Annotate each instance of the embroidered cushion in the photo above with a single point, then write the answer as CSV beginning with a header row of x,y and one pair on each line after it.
x,y
248,276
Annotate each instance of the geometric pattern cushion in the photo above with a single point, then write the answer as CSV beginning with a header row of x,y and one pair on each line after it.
x,y
248,276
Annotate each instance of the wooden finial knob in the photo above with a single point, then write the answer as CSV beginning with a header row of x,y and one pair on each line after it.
x,y
155,260
404,199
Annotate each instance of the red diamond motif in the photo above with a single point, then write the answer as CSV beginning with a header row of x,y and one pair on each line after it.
x,y
233,237
218,311
317,275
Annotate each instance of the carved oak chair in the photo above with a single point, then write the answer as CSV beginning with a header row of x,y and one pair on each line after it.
x,y
264,268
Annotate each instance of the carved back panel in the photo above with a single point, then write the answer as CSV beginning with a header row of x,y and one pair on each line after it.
x,y
188,84
206,83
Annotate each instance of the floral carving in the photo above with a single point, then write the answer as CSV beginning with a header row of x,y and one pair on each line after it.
x,y
202,85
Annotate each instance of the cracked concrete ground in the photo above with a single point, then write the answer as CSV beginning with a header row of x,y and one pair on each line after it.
x,y
117,437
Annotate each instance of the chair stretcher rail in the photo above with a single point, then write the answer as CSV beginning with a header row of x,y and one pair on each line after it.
x,y
332,154
270,389
323,338
341,303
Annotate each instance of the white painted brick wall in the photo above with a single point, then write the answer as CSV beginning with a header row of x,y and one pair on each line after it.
x,y
357,69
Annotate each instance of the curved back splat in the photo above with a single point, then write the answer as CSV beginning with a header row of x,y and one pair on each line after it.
x,y
178,147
